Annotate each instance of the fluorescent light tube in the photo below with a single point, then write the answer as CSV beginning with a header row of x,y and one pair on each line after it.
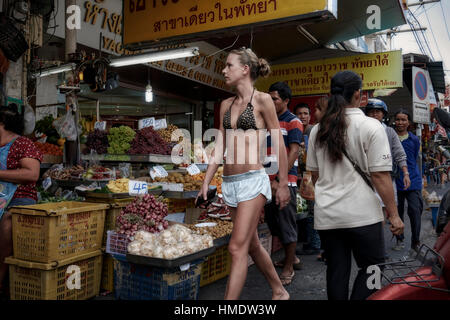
x,y
155,56
54,70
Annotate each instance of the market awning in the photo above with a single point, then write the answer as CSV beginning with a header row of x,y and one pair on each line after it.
x,y
437,75
280,42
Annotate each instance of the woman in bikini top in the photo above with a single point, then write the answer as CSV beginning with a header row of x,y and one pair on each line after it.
x,y
246,119
242,69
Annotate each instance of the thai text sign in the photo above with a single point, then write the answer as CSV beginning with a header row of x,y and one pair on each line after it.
x,y
149,20
377,71
206,68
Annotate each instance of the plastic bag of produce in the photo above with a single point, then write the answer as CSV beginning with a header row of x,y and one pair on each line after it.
x,y
307,187
66,126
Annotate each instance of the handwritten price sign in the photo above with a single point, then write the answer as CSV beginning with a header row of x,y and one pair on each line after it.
x,y
147,122
100,125
137,187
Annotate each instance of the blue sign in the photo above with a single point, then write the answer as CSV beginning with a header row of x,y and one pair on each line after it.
x,y
421,86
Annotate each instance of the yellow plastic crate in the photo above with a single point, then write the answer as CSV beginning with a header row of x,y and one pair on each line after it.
x,y
107,283
52,281
216,266
56,231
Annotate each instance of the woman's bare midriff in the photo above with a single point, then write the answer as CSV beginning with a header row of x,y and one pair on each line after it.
x,y
245,156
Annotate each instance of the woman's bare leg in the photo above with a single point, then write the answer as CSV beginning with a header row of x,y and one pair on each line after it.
x,y
264,264
245,222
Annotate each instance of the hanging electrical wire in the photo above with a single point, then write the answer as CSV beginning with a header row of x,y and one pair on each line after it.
x,y
424,36
446,26
432,33
425,40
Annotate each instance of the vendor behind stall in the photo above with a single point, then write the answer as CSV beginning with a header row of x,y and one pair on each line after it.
x,y
19,171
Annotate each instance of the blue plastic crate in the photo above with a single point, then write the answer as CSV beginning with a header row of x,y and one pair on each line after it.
x,y
138,282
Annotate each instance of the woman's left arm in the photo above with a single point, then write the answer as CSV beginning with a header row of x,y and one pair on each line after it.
x,y
270,118
27,173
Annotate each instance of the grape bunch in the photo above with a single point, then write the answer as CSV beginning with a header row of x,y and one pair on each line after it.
x,y
146,213
97,140
148,141
119,139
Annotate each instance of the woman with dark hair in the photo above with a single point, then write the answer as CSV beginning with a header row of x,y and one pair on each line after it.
x,y
413,193
20,165
347,212
246,185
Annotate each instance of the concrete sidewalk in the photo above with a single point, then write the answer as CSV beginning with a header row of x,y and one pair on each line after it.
x,y
310,283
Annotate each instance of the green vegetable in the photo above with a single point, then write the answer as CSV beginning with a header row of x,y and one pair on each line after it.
x,y
119,139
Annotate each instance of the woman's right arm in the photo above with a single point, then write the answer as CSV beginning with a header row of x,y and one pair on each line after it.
x,y
216,156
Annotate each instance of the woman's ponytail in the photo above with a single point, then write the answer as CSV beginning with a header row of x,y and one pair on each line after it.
x,y
333,126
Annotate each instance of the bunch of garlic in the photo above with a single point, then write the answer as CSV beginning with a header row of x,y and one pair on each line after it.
x,y
172,243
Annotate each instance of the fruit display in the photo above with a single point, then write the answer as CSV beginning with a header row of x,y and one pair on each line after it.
x,y
146,213
175,242
148,141
166,134
97,140
97,173
188,181
45,126
119,139
58,173
118,186
221,229
88,124
216,180
48,148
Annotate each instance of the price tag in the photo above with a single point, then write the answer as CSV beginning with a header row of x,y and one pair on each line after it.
x,y
137,187
178,187
185,267
160,124
100,125
193,169
158,171
47,183
147,122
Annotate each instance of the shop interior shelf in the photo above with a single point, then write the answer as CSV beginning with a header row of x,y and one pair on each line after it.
x,y
146,158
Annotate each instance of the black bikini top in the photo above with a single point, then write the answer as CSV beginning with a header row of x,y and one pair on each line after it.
x,y
246,119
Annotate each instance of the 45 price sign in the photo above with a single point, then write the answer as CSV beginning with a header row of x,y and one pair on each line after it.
x,y
137,187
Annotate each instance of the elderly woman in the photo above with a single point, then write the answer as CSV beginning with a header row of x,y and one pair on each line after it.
x,y
20,164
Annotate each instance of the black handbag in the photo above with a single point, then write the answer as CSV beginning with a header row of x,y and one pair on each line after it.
x,y
358,169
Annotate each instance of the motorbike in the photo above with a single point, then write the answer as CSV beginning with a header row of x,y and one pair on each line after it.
x,y
427,275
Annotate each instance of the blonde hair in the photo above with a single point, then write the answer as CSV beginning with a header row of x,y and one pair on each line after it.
x,y
258,66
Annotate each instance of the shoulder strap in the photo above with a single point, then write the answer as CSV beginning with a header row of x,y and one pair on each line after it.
x,y
229,109
359,170
251,98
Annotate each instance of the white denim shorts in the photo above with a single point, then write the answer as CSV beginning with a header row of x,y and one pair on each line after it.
x,y
246,186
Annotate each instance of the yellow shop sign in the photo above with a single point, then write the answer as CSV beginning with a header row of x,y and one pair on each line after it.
x,y
377,71
150,20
